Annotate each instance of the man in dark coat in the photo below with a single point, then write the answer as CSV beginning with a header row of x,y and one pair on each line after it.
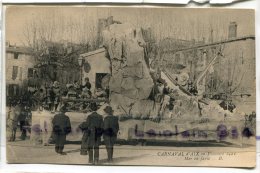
x,y
25,121
95,129
111,128
61,127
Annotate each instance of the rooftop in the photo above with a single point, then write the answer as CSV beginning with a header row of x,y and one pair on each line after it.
x,y
100,50
22,50
215,43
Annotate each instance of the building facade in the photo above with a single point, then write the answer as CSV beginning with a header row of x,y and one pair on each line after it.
x,y
19,69
96,67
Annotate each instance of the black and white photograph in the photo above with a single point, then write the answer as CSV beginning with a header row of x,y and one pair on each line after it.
x,y
122,85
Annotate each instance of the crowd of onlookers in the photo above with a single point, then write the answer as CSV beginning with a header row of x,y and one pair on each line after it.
x,y
48,97
18,115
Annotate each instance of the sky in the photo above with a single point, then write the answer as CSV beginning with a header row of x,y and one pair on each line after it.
x,y
79,23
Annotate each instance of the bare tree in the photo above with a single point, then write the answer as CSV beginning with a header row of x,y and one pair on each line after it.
x,y
46,39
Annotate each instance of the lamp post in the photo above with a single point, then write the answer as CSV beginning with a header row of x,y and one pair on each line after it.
x,y
81,61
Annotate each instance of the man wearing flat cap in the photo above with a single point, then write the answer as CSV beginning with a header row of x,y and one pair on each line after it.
x,y
61,128
111,128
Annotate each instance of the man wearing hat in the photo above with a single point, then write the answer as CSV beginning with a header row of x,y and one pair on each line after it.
x,y
111,128
95,130
61,127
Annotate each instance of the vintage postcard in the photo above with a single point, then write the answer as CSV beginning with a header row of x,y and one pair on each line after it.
x,y
155,86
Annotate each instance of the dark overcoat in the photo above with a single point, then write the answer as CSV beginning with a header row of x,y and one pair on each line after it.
x,y
95,129
111,128
61,124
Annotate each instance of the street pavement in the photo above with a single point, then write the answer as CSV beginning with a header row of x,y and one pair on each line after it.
x,y
151,154
24,152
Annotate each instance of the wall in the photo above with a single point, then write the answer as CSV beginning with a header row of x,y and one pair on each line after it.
x,y
99,64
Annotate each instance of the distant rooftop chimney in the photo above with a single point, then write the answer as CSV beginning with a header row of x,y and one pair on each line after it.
x,y
232,31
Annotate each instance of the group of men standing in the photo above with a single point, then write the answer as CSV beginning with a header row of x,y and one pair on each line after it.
x,y
18,115
93,129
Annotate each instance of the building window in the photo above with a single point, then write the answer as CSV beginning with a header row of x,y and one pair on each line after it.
x,y
13,90
16,55
15,72
30,72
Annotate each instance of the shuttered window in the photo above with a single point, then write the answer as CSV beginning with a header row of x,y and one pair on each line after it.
x,y
15,72
13,90
16,55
